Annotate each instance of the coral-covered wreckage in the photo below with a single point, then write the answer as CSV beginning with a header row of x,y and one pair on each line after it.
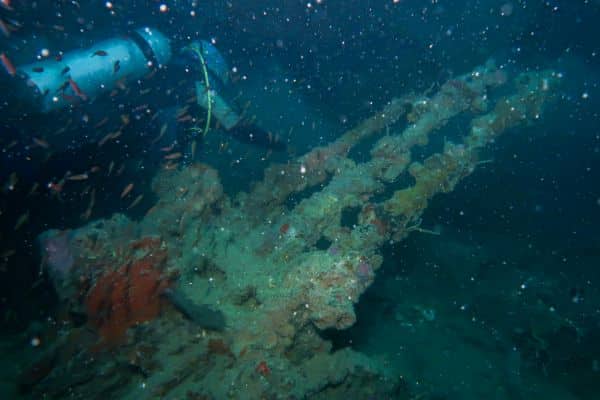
x,y
212,297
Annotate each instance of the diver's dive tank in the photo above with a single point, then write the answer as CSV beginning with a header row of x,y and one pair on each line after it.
x,y
81,75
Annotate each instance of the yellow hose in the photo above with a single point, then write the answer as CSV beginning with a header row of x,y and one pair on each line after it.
x,y
208,95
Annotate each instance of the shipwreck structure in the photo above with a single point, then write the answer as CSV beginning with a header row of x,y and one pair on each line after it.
x,y
212,297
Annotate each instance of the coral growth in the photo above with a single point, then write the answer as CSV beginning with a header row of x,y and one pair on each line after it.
x,y
126,297
146,243
263,369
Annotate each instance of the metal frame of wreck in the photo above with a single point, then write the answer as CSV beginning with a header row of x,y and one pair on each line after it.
x,y
258,242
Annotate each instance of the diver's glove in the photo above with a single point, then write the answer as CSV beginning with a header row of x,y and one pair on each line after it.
x,y
252,134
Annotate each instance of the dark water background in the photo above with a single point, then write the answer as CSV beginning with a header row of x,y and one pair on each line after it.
x,y
348,58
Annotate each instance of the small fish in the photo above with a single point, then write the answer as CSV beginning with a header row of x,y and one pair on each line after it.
x,y
127,190
10,145
59,57
100,53
125,119
37,69
94,169
88,212
141,107
4,28
120,170
11,182
6,5
109,136
8,253
223,146
40,142
181,112
116,66
163,129
101,122
156,114
65,70
185,118
166,149
77,90
135,202
56,187
8,65
110,168
120,84
65,127
21,220
173,156
33,189
78,177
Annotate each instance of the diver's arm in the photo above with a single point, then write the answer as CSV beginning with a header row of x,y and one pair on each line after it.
x,y
233,122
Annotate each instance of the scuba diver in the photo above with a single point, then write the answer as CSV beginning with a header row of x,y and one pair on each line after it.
x,y
180,87
211,94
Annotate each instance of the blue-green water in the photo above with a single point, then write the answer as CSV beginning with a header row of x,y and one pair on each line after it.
x,y
495,295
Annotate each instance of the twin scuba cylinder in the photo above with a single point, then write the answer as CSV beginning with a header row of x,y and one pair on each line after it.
x,y
82,75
